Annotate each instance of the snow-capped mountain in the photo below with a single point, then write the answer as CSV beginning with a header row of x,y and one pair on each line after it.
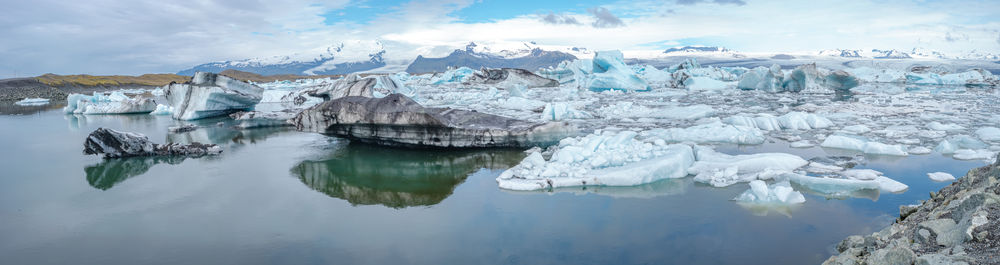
x,y
841,53
889,54
927,54
979,55
701,51
527,55
340,58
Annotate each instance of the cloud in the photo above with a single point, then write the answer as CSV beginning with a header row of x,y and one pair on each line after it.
x,y
949,37
998,38
721,2
604,18
554,19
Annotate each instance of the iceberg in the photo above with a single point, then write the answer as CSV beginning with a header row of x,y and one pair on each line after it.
x,y
162,110
861,144
991,134
845,186
558,111
762,78
777,193
803,121
114,103
956,142
714,132
602,159
397,120
457,75
210,95
115,144
722,170
611,73
940,176
32,102
350,85
510,77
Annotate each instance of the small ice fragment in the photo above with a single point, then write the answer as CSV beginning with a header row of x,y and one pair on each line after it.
x,y
778,193
32,102
940,176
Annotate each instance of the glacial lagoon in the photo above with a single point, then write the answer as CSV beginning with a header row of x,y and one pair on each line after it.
x,y
276,195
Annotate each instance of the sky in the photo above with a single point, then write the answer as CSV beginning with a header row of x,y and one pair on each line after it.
x,y
135,37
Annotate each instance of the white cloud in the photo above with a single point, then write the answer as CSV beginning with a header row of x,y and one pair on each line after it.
x,y
133,37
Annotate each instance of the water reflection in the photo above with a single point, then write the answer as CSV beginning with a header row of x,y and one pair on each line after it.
x,y
666,187
77,121
9,108
110,172
223,133
368,175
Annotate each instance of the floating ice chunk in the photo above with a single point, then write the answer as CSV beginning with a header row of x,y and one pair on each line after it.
x,y
778,193
704,83
162,110
988,133
114,103
919,150
856,129
257,119
609,158
558,111
861,174
762,78
611,73
832,186
632,110
956,142
32,102
762,121
722,170
862,144
801,144
714,132
940,176
803,121
974,154
937,126
653,75
890,185
457,75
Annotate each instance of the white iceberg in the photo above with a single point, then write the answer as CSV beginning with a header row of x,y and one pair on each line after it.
x,y
940,176
32,102
861,144
606,158
956,142
789,121
114,103
210,95
713,132
720,170
762,78
162,110
558,111
777,193
991,134
610,73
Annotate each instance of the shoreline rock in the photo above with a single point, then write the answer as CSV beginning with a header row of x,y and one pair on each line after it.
x,y
116,144
397,120
960,224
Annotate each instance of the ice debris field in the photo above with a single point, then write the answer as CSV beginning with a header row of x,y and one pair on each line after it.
x,y
640,124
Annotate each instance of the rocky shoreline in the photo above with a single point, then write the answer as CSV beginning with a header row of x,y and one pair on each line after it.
x,y
960,224
19,88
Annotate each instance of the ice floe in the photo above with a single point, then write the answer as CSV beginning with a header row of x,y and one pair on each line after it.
x,y
32,102
777,193
114,103
940,176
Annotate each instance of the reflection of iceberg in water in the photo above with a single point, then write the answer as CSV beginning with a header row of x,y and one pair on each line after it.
x,y
665,187
763,209
871,194
367,175
77,121
223,133
109,172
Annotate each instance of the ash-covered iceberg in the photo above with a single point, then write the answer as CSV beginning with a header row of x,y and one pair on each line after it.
x,y
115,103
510,77
397,120
116,144
210,95
351,85
258,119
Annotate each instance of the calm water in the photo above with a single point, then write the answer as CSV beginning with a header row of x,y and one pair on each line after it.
x,y
279,196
